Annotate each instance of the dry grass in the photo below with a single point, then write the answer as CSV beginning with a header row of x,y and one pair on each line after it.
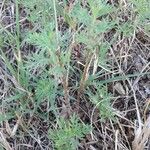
x,y
142,135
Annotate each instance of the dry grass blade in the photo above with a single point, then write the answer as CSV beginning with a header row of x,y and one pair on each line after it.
x,y
140,141
4,142
116,140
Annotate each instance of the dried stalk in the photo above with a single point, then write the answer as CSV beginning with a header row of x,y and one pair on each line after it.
x,y
84,78
142,137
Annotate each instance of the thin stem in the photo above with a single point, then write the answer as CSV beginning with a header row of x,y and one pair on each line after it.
x,y
56,22
18,57
84,77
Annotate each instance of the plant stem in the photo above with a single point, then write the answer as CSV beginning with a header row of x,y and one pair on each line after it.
x,y
84,78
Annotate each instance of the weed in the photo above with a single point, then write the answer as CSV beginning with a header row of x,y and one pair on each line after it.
x,y
68,133
102,100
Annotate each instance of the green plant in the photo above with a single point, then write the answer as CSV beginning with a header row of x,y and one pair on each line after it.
x,y
102,100
68,133
62,59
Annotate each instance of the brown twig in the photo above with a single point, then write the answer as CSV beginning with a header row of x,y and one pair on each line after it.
x,y
84,78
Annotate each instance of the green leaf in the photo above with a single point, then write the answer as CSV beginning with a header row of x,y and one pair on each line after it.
x,y
103,49
46,89
102,101
81,15
7,116
127,29
37,60
68,133
99,8
103,26
8,64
